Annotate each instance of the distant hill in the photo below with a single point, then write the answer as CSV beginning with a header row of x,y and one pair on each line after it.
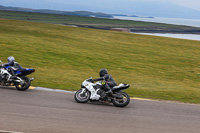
x,y
75,13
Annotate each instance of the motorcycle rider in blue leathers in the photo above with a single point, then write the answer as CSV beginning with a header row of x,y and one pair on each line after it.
x,y
108,82
14,66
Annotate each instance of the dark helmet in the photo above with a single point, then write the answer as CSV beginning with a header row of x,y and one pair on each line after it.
x,y
103,72
11,59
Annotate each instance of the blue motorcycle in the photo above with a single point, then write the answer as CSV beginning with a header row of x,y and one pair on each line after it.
x,y
20,81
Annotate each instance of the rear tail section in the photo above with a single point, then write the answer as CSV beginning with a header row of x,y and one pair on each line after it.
x,y
120,87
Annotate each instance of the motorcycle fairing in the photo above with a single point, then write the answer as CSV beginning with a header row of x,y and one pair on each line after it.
x,y
89,86
24,71
120,87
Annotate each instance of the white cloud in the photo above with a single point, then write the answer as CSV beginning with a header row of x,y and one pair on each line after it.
x,y
195,4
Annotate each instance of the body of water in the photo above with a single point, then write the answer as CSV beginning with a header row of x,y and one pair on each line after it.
x,y
180,36
176,21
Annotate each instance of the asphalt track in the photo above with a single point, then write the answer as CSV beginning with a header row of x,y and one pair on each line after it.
x,y
42,111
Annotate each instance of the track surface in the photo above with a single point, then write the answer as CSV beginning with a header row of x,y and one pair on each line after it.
x,y
37,111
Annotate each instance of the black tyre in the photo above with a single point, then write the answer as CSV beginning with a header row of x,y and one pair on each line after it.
x,y
82,96
25,86
121,101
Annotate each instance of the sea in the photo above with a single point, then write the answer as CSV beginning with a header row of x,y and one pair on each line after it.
x,y
176,21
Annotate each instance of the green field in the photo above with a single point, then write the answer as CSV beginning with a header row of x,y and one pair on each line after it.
x,y
64,56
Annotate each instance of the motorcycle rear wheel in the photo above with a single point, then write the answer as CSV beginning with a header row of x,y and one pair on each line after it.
x,y
82,97
123,101
25,86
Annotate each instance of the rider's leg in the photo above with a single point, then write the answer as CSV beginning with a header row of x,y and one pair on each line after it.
x,y
107,87
12,73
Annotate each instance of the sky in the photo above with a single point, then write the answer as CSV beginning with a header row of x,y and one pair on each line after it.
x,y
193,4
129,7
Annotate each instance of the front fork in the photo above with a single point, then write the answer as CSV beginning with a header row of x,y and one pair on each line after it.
x,y
83,90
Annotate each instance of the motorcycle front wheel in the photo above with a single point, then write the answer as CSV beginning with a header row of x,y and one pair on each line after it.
x,y
24,86
121,100
82,96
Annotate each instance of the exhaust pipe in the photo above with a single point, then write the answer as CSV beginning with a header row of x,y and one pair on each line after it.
x,y
31,79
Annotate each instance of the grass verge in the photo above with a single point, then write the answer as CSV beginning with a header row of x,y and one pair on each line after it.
x,y
155,67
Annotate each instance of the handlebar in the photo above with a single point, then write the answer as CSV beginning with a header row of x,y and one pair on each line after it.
x,y
90,80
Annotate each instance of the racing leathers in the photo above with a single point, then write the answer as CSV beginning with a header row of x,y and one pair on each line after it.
x,y
14,66
108,82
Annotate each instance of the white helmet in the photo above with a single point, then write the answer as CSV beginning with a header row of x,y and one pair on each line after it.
x,y
11,59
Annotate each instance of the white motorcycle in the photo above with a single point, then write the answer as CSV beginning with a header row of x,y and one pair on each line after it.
x,y
96,92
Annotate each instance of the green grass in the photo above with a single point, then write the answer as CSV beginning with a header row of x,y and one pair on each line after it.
x,y
155,67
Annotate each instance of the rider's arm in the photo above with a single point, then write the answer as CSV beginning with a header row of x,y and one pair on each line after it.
x,y
98,79
102,78
6,64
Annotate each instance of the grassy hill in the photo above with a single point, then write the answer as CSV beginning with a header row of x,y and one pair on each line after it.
x,y
63,56
48,11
